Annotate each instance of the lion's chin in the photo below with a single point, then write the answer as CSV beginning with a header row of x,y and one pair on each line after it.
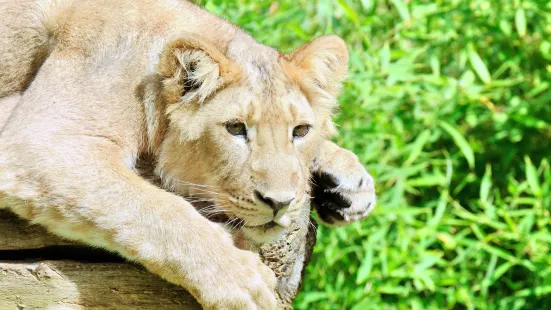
x,y
262,234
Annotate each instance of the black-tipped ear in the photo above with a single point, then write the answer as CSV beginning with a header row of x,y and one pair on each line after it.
x,y
193,69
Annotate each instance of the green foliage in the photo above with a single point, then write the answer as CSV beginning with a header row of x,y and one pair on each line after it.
x,y
448,104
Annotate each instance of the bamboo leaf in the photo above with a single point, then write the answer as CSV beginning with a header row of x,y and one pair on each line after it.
x,y
402,9
417,147
479,66
460,141
532,176
520,22
486,184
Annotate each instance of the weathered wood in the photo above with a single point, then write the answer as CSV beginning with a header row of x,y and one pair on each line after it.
x,y
61,279
78,285
18,234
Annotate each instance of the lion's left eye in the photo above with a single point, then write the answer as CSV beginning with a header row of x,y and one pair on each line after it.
x,y
301,131
236,128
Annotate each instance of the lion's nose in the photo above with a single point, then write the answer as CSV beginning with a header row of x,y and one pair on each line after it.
x,y
276,202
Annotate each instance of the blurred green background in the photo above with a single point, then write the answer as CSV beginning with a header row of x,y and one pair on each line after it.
x,y
448,105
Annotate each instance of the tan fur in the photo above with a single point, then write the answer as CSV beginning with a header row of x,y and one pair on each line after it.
x,y
103,82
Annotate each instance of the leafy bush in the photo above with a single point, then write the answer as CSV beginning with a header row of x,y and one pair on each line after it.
x,y
448,105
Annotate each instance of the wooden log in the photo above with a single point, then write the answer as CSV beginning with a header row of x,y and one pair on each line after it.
x,y
288,258
78,285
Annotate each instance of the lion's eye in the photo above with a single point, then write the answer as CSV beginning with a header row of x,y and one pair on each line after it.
x,y
301,131
236,129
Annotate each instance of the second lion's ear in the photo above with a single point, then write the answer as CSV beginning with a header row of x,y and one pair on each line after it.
x,y
193,69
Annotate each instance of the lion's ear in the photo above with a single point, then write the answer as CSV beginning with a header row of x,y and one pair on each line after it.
x,y
320,67
193,69
324,63
190,70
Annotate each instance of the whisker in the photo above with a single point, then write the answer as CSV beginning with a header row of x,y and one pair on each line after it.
x,y
194,184
313,226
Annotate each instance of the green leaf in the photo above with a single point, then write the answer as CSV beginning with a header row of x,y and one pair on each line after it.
x,y
313,297
534,291
402,9
486,184
478,65
427,180
499,272
365,303
520,22
384,56
365,268
460,141
417,146
350,12
440,209
532,177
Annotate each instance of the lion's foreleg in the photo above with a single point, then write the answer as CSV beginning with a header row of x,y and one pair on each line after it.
x,y
83,191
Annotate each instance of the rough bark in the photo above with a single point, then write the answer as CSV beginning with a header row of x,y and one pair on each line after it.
x,y
78,285
289,257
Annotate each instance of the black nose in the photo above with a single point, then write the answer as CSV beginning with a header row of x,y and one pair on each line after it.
x,y
272,203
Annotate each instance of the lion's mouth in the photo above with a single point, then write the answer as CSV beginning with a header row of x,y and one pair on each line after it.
x,y
236,222
270,224
265,233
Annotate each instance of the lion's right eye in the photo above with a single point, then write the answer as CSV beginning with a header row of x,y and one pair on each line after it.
x,y
236,129
301,131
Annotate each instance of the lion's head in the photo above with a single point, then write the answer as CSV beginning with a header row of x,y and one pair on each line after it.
x,y
241,127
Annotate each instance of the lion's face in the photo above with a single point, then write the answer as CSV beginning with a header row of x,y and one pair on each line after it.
x,y
245,149
254,156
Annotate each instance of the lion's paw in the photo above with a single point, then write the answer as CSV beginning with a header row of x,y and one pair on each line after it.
x,y
342,189
237,279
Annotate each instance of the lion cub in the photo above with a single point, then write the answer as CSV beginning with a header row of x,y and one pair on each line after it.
x,y
228,120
